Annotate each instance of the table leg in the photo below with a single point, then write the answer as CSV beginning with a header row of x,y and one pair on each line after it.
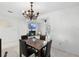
x,y
39,53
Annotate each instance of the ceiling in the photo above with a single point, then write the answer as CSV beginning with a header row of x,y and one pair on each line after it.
x,y
14,9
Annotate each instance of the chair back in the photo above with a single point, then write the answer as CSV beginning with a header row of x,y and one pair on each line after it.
x,y
42,37
23,47
48,48
24,37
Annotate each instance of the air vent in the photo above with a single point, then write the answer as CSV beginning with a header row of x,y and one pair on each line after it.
x,y
10,11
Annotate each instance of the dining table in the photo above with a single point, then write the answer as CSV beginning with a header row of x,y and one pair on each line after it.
x,y
36,44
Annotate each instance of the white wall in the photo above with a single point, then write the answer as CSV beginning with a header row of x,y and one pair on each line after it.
x,y
65,28
11,29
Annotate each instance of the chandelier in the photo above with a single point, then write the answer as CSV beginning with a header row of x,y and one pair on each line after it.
x,y
30,13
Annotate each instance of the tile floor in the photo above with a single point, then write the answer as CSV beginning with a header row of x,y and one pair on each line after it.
x,y
55,52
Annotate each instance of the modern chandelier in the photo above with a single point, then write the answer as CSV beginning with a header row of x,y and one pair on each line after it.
x,y
30,13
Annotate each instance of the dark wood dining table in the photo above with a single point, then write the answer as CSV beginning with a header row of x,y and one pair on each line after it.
x,y
37,44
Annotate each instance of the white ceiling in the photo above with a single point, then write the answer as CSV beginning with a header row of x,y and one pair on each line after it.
x,y
42,7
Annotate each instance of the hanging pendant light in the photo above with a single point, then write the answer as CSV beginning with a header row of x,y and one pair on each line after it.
x,y
30,13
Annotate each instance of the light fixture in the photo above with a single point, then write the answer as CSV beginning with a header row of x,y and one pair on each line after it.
x,y
30,13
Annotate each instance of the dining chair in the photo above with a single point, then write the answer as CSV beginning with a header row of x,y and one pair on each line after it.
x,y
42,37
46,53
24,37
0,47
5,55
24,50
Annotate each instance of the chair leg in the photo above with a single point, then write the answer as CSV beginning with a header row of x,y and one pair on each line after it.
x,y
20,54
5,55
49,55
36,54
